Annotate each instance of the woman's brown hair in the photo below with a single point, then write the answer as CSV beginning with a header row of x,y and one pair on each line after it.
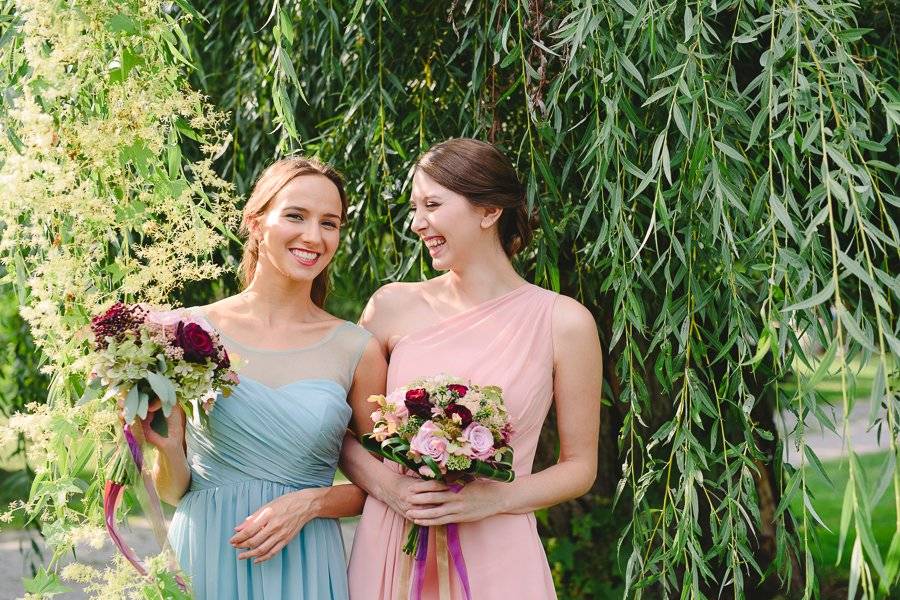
x,y
486,177
270,182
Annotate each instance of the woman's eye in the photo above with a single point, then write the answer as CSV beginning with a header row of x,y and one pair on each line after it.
x,y
329,225
295,217
431,205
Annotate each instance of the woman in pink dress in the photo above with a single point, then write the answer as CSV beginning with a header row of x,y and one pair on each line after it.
x,y
479,320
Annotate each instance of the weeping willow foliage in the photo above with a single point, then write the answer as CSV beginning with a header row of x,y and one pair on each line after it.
x,y
98,204
716,180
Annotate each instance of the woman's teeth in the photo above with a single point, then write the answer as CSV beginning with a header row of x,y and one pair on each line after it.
x,y
305,256
435,242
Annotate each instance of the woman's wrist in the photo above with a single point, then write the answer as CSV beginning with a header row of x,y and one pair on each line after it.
x,y
310,501
386,486
172,453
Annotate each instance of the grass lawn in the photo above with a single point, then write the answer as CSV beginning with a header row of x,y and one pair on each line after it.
x,y
828,501
859,380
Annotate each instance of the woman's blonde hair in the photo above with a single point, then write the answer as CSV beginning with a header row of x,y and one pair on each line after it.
x,y
270,182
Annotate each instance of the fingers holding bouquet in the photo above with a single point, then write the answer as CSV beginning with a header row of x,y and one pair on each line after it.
x,y
473,501
171,435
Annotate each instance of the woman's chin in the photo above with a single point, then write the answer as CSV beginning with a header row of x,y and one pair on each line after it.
x,y
440,263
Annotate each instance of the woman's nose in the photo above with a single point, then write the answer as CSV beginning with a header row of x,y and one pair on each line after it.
x,y
312,233
418,221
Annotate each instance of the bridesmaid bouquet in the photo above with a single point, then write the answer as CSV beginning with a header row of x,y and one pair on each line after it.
x,y
138,353
443,428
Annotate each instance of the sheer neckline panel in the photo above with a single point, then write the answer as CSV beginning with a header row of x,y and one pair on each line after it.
x,y
237,343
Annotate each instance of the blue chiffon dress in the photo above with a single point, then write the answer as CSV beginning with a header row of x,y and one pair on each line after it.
x,y
279,431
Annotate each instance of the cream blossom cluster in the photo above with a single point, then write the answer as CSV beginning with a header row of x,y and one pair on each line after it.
x,y
102,202
99,204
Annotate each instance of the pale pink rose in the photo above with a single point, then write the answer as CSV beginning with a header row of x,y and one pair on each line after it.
x,y
166,318
481,441
428,441
426,471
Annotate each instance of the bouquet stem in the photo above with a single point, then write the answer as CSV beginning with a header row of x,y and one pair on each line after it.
x,y
412,539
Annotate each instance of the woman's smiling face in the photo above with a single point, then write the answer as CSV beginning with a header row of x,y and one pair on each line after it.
x,y
300,230
452,228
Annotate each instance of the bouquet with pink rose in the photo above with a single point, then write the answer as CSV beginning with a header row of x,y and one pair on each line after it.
x,y
443,428
139,353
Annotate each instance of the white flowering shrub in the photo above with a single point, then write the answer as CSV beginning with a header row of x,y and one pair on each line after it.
x,y
107,194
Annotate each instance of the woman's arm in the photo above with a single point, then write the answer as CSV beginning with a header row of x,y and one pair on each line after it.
x,y
171,473
269,529
358,464
576,382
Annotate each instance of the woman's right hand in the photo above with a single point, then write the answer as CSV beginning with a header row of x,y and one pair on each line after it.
x,y
401,489
176,422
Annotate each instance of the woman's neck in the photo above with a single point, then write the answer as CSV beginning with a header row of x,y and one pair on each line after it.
x,y
490,276
273,299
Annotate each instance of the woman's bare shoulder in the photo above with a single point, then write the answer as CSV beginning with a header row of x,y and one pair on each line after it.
x,y
396,297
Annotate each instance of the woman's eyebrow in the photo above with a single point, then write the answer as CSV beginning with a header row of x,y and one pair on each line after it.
x,y
306,210
425,198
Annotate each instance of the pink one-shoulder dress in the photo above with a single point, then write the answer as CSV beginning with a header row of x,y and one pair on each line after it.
x,y
506,341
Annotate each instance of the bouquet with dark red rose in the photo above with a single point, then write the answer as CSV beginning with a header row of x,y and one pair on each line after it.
x,y
140,353
443,428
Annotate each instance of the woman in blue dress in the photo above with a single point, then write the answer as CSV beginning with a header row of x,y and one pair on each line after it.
x,y
256,513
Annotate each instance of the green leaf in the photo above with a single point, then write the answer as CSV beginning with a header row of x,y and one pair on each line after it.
x,y
122,24
731,152
45,584
891,565
132,403
849,322
846,513
885,478
629,66
818,298
164,389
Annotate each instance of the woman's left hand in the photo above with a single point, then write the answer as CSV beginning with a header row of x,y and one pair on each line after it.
x,y
270,528
476,500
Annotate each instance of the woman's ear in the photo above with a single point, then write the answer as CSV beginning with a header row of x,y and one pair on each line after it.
x,y
491,215
253,227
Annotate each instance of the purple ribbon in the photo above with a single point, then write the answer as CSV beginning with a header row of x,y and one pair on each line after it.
x,y
418,581
456,555
459,562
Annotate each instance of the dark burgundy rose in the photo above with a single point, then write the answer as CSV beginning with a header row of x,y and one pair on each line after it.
x,y
460,389
458,409
505,435
195,342
417,403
